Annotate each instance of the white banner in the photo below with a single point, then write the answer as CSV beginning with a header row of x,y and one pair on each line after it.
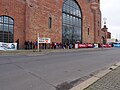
x,y
43,40
95,45
76,45
8,46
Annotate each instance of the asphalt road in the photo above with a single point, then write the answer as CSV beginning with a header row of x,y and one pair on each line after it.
x,y
51,71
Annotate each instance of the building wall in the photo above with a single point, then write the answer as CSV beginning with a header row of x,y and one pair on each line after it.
x,y
108,35
104,32
87,21
16,10
38,13
31,18
95,7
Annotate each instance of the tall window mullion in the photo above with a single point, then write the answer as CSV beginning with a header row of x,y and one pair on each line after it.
x,y
1,32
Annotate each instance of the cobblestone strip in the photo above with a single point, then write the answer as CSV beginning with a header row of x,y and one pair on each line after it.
x,y
108,79
111,81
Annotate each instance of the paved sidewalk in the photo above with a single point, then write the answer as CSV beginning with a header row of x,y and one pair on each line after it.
x,y
108,79
111,81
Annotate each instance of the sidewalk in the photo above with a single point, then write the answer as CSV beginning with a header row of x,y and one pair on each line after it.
x,y
106,80
23,52
111,81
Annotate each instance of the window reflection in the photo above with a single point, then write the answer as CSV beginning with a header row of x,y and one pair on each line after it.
x,y
5,20
1,19
10,21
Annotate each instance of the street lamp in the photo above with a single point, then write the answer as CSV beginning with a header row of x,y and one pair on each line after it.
x,y
104,19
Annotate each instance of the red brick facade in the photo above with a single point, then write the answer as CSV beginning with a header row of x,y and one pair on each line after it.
x,y
31,17
105,34
16,10
108,35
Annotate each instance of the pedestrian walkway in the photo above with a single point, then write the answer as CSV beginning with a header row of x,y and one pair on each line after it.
x,y
111,81
108,79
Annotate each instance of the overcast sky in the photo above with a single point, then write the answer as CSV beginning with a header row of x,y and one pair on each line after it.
x,y
111,10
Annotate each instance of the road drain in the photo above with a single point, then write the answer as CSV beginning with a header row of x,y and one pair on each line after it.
x,y
64,86
69,85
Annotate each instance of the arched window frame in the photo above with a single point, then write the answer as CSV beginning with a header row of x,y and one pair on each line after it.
x,y
77,16
6,29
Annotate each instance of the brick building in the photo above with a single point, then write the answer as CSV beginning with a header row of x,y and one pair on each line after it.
x,y
108,35
61,20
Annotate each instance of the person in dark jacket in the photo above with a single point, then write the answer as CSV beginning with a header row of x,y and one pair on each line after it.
x,y
17,44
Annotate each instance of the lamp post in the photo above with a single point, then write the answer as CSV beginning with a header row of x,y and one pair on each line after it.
x,y
104,19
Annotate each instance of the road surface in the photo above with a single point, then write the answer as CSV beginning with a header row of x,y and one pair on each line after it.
x,y
53,71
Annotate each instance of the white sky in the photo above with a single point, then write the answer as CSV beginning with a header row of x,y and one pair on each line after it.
x,y
111,10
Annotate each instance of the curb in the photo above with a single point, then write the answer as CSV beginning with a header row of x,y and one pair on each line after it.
x,y
96,77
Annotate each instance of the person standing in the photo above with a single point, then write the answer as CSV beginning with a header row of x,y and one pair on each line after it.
x,y
17,44
36,45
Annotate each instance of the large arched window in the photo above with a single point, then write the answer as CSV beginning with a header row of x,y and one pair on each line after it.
x,y
71,22
6,29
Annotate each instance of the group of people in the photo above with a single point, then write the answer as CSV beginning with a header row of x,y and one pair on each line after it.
x,y
30,45
34,45
55,45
